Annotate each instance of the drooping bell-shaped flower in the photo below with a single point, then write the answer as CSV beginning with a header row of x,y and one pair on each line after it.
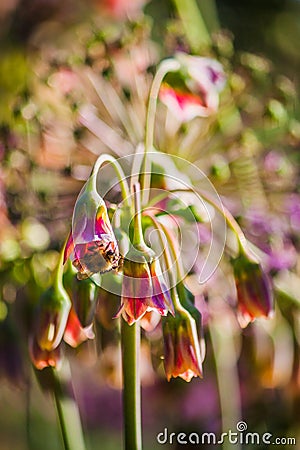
x,y
182,354
136,288
51,318
194,90
84,299
79,327
160,293
75,333
49,322
254,291
143,288
205,72
92,246
187,300
43,358
184,105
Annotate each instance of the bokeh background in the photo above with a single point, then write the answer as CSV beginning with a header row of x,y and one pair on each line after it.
x,y
74,79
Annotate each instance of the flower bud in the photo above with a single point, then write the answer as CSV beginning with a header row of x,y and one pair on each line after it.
x,y
51,318
254,292
84,300
187,300
182,356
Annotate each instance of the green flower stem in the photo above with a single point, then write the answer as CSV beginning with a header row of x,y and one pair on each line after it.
x,y
194,25
130,342
120,174
59,270
168,65
68,415
166,251
138,237
179,267
168,261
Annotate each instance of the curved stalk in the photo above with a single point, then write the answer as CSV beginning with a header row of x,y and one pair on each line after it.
x,y
166,252
58,274
179,267
168,65
231,222
168,262
119,172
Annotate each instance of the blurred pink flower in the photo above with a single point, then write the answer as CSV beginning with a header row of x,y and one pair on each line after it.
x,y
254,291
121,9
196,91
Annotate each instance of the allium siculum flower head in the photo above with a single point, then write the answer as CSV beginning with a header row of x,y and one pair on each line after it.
x,y
194,90
51,318
254,291
144,288
182,354
92,246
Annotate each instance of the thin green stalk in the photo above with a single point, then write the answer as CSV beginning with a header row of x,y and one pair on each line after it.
x,y
168,65
58,274
130,342
194,25
166,251
119,171
68,415
168,261
179,267
231,222
138,237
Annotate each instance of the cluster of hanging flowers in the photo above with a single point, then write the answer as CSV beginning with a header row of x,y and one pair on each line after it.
x,y
66,310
